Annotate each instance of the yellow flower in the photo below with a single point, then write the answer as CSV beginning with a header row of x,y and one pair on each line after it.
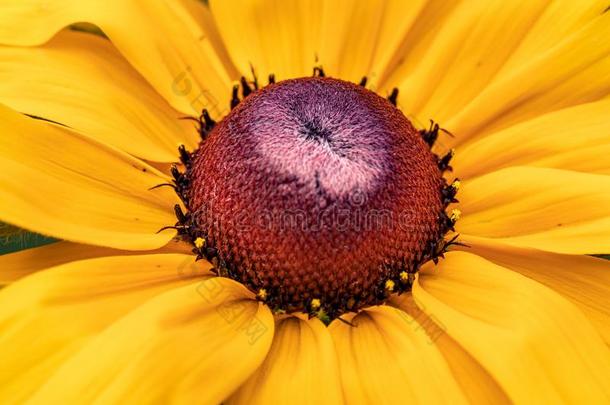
x,y
121,313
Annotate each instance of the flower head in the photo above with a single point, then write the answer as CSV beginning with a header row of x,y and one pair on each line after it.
x,y
167,287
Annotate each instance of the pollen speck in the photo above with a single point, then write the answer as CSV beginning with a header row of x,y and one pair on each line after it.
x,y
455,214
199,242
262,294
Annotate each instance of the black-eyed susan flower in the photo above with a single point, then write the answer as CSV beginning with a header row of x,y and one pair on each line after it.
x,y
289,247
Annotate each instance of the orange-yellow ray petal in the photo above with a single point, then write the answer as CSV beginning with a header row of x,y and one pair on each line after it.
x,y
534,343
279,37
549,209
203,17
431,19
574,138
160,38
81,81
476,43
575,71
14,266
393,29
349,39
584,280
559,20
48,316
472,45
360,38
300,368
476,383
386,358
58,183
192,344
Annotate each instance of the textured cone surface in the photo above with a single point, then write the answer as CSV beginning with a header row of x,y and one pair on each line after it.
x,y
315,188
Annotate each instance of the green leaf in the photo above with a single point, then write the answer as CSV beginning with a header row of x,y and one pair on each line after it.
x,y
13,239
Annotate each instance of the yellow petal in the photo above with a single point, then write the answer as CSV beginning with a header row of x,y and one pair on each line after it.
x,y
192,344
203,17
430,20
349,39
17,265
387,358
301,368
534,343
360,38
161,39
477,385
574,138
559,20
81,81
394,29
55,312
584,280
59,183
274,37
469,49
549,209
574,71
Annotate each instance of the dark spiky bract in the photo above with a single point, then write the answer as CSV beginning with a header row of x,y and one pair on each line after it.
x,y
318,195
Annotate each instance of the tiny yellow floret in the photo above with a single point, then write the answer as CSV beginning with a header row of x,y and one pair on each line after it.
x,y
404,276
456,184
199,242
315,304
262,294
455,214
389,285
